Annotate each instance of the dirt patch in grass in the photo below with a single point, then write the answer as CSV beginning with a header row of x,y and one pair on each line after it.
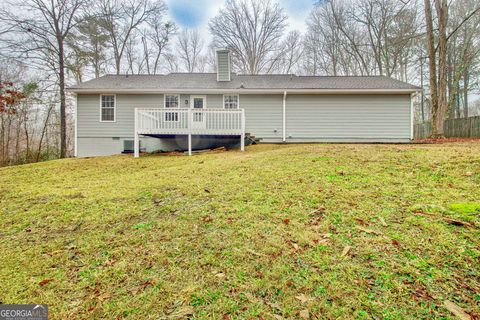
x,y
284,231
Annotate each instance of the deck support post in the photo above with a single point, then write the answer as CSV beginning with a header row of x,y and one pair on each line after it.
x,y
190,144
284,115
189,120
136,144
242,136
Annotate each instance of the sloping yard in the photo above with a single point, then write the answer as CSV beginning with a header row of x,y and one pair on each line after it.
x,y
294,231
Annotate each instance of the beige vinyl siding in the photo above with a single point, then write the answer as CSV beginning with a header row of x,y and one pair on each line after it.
x,y
223,67
183,98
88,114
263,114
366,118
214,101
348,117
98,146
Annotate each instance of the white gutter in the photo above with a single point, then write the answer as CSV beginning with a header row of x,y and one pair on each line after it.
x,y
284,116
245,91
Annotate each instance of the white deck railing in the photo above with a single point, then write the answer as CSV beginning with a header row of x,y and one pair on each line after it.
x,y
150,121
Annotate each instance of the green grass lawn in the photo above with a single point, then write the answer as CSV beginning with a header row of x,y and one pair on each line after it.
x,y
276,232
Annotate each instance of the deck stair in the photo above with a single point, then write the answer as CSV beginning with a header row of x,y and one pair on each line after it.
x,y
251,139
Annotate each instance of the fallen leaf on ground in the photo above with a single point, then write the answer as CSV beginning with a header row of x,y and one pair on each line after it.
x,y
361,221
319,211
370,231
44,282
274,305
346,250
255,253
182,313
456,310
146,284
382,222
207,219
304,298
304,314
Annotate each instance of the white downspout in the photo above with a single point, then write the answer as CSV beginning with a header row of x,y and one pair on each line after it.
x,y
411,116
136,143
75,150
284,138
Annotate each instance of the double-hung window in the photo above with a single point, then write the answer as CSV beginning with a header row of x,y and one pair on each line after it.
x,y
107,108
171,102
230,101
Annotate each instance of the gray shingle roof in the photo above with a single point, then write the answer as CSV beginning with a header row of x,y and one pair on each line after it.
x,y
208,81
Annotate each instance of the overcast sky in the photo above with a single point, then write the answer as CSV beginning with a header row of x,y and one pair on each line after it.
x,y
197,13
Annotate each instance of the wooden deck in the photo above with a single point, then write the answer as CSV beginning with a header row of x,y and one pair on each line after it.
x,y
186,121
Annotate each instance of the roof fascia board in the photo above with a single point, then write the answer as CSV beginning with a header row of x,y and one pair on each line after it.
x,y
247,91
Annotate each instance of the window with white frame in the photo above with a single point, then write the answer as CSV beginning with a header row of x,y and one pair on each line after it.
x,y
171,101
230,101
107,108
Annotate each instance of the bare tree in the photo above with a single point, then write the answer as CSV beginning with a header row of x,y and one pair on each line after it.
x,y
189,48
437,43
121,19
38,29
432,65
463,52
322,45
22,132
155,39
361,37
172,62
251,30
290,54
441,8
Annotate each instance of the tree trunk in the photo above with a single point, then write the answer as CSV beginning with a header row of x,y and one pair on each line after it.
x,y
451,87
465,93
432,69
63,103
441,8
27,138
44,133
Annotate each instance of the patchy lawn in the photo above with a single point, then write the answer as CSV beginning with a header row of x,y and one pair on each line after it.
x,y
286,231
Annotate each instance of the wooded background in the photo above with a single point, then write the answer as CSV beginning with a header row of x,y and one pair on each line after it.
x,y
46,45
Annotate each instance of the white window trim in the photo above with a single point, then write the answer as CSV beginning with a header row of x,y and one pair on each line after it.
x,y
165,104
114,108
165,100
198,96
231,94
